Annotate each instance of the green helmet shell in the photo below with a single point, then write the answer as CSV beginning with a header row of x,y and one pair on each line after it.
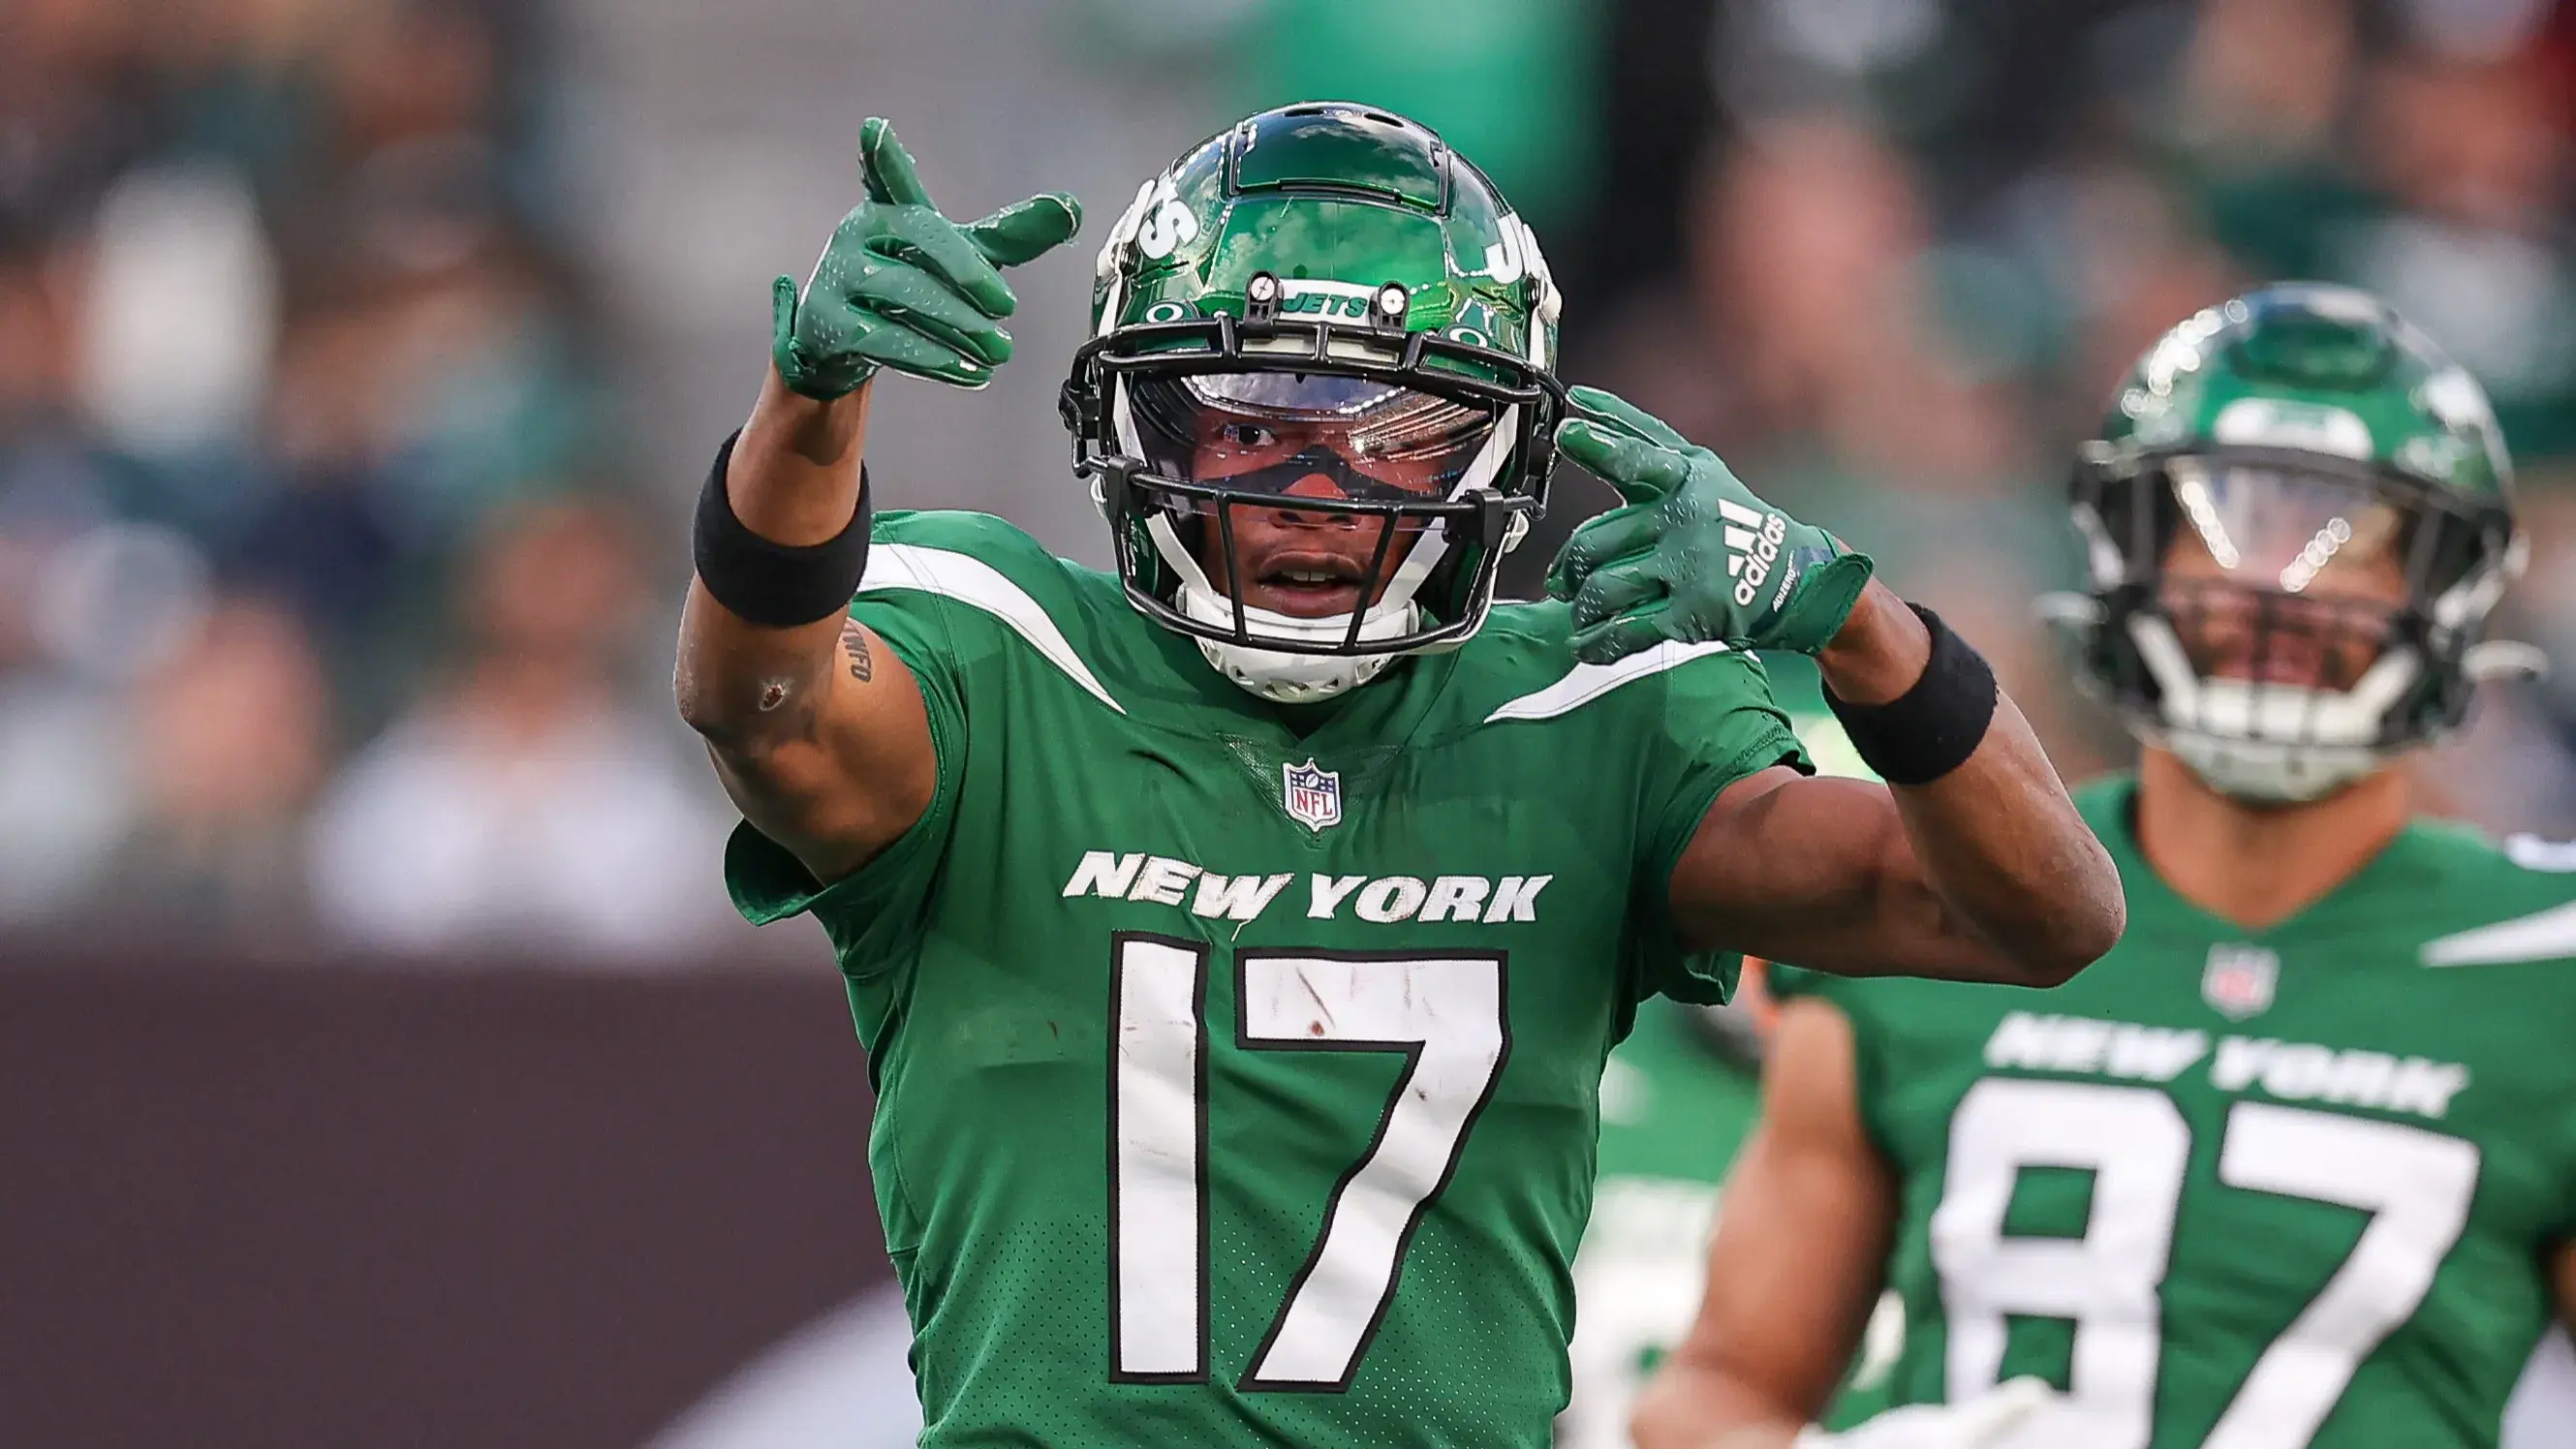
x,y
1335,239
1335,201
2308,367
2299,381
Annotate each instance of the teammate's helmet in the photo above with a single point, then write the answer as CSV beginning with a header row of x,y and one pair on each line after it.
x,y
1331,284
2297,516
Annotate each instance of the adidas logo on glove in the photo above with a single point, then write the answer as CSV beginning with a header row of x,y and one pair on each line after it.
x,y
1752,546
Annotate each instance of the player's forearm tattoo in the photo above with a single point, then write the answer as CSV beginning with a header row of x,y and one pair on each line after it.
x,y
854,642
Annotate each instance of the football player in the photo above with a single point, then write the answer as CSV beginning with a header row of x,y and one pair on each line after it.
x,y
2296,1165
1237,936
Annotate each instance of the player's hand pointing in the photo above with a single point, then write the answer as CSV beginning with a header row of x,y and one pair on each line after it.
x,y
1693,556
902,286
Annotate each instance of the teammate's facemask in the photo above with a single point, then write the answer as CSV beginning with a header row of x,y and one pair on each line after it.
x,y
2297,515
2280,616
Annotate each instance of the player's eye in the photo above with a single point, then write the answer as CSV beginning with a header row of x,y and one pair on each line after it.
x,y
1247,435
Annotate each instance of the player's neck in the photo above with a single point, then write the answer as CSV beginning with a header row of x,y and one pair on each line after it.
x,y
2260,865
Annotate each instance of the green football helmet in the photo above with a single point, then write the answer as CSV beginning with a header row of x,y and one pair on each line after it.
x,y
2296,517
1324,300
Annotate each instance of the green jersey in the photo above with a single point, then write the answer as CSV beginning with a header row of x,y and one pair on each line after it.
x,y
1237,1085
1673,1112
2244,1190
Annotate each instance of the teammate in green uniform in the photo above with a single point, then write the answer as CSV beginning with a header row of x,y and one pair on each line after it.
x,y
1238,936
2295,1165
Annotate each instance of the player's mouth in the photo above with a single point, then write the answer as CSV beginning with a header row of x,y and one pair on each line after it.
x,y
2294,659
1306,584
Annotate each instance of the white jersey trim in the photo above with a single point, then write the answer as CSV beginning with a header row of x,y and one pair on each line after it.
x,y
971,581
1585,683
2541,937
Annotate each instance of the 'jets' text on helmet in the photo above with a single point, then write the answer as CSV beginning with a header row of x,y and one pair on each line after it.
x,y
1325,302
2296,519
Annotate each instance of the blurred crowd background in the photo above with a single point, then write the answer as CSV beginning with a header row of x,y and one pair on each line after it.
x,y
359,358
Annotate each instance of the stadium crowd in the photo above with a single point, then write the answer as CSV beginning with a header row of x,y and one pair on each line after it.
x,y
321,600
335,590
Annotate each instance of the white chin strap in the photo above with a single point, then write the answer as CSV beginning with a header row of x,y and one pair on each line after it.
x,y
2271,743
1285,678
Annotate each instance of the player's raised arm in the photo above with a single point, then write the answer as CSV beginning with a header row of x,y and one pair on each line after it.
x,y
1975,865
1793,1270
817,729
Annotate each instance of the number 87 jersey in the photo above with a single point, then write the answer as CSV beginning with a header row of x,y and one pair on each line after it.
x,y
1237,1085
2243,1191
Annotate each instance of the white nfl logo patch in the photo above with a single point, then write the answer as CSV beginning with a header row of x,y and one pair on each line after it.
x,y
2239,979
1314,797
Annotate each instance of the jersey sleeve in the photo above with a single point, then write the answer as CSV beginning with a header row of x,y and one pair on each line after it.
x,y
1715,723
875,916
872,916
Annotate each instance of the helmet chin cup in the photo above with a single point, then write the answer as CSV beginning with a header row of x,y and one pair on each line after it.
x,y
2276,743
2269,743
2266,773
1288,678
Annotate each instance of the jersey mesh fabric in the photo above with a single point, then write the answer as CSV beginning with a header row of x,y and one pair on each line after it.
x,y
1673,1112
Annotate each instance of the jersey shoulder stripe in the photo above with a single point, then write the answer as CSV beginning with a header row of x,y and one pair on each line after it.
x,y
992,567
2542,936
2500,903
973,582
1585,683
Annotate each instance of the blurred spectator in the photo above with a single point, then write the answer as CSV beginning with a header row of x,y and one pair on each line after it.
x,y
281,318
231,734
528,804
2474,243
299,342
1815,352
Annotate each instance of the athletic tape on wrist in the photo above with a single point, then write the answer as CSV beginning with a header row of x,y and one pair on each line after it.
x,y
776,585
1934,726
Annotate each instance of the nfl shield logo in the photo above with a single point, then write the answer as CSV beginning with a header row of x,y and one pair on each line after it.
x,y
2238,980
1314,797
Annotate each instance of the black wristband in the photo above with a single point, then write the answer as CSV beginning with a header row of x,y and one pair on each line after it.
x,y
1933,727
773,584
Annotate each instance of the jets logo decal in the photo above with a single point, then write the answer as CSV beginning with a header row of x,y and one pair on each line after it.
x,y
1168,225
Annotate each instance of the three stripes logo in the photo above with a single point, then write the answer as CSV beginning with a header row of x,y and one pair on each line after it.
x,y
1752,547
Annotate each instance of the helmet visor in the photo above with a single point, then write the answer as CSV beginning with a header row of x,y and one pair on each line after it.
x,y
2297,533
2275,576
1314,435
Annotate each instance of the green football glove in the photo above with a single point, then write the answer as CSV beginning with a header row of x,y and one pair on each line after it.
x,y
1694,556
902,286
